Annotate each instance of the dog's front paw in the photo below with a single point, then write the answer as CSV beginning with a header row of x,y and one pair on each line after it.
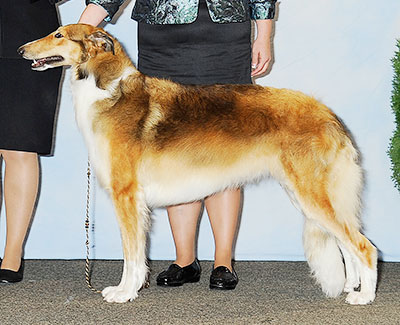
x,y
360,298
118,294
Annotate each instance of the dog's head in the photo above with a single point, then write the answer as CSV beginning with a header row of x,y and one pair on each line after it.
x,y
68,45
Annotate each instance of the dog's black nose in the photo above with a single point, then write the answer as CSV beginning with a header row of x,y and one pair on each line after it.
x,y
21,50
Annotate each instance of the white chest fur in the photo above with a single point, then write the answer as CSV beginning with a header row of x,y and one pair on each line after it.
x,y
86,94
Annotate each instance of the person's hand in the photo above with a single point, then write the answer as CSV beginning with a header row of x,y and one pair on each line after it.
x,y
93,15
261,56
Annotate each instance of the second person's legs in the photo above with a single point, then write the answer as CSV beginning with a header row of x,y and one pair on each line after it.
x,y
223,211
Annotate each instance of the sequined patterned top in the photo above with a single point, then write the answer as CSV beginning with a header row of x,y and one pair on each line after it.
x,y
185,11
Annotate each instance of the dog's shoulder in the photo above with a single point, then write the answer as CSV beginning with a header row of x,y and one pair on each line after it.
x,y
161,90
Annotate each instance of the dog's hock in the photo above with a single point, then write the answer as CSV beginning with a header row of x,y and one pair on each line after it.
x,y
103,41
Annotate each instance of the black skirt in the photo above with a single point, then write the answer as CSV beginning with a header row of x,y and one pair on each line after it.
x,y
199,53
28,98
28,106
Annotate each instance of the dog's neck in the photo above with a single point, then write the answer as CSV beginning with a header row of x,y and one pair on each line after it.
x,y
106,68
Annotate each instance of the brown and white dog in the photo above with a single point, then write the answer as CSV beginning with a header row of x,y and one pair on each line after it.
x,y
156,143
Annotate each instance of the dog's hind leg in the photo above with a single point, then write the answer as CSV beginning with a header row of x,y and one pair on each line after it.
x,y
364,258
364,255
344,188
352,274
329,198
133,218
359,254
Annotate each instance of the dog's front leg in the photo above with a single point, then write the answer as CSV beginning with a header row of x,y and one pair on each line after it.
x,y
133,217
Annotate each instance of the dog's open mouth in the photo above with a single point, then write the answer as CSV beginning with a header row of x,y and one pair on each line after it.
x,y
41,63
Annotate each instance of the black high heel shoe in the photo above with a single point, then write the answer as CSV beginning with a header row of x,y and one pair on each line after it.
x,y
9,276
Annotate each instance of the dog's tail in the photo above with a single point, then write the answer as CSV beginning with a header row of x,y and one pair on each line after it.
x,y
324,258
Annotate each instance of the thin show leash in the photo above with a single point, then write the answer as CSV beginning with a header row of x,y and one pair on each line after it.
x,y
87,224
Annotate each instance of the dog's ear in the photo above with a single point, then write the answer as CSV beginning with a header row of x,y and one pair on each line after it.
x,y
102,40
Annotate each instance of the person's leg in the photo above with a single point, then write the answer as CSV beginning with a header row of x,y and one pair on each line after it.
x,y
20,191
223,211
183,219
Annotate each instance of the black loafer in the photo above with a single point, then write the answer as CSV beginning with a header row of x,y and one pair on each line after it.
x,y
223,279
9,276
175,275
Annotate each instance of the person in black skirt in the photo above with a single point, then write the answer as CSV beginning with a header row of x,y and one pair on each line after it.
x,y
27,112
199,42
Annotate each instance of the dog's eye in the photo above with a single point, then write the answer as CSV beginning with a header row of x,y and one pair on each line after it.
x,y
58,35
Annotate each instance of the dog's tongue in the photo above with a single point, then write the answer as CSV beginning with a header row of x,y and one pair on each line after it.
x,y
38,63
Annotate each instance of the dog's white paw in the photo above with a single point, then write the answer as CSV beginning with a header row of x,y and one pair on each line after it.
x,y
360,298
118,294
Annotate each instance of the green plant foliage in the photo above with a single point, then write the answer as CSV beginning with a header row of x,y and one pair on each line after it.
x,y
394,149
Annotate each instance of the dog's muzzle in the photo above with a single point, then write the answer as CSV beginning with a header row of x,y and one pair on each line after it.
x,y
40,63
